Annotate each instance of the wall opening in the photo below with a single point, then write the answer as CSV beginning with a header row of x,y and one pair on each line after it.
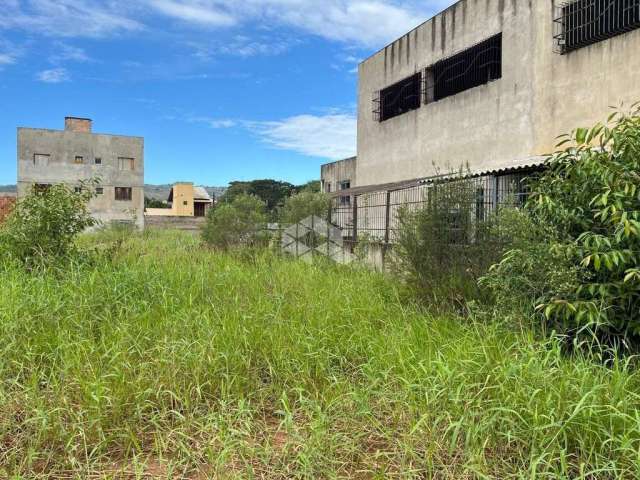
x,y
470,68
584,22
399,98
123,193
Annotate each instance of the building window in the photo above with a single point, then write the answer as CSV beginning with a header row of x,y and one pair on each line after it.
x,y
41,160
585,22
470,68
185,203
399,98
123,194
41,187
327,187
99,190
78,160
125,163
345,184
98,161
77,189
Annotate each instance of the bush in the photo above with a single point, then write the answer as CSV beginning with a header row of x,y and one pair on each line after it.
x,y
590,197
304,204
241,222
43,227
443,248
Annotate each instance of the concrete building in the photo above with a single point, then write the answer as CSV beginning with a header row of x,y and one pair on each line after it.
x,y
488,85
186,201
75,154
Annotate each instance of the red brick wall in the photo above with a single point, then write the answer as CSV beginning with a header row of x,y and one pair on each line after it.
x,y
6,205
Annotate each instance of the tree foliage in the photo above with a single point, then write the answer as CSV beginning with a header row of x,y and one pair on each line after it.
x,y
43,226
590,197
240,222
304,204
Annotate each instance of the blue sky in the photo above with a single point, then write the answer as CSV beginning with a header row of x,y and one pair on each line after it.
x,y
221,90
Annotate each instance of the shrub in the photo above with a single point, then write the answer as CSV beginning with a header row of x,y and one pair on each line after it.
x,y
442,248
304,204
43,227
590,197
240,222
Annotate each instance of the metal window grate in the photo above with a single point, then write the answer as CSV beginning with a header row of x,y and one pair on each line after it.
x,y
470,68
398,98
584,22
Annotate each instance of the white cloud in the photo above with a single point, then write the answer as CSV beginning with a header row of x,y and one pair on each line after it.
x,y
66,53
54,75
242,46
7,59
195,11
363,22
330,136
68,18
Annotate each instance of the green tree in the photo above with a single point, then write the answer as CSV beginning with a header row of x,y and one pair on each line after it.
x,y
272,192
155,203
303,204
43,226
240,222
590,198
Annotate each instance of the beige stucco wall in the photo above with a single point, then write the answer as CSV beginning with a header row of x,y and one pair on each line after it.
x,y
331,174
541,94
183,199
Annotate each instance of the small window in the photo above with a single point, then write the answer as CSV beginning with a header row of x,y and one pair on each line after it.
x,y
345,201
185,203
78,160
99,190
123,194
401,97
98,161
41,160
41,187
77,189
125,163
327,187
345,184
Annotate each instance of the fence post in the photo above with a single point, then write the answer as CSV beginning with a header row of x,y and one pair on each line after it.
x,y
355,219
387,216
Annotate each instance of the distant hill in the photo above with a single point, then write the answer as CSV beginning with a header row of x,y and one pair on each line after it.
x,y
8,191
159,192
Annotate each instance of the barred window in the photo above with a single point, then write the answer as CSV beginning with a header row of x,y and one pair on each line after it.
x,y
470,68
400,97
123,193
584,22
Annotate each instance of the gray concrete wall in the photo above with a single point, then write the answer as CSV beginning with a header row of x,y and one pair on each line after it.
x,y
335,172
64,146
194,224
541,94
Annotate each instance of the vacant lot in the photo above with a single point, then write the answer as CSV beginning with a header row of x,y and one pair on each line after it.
x,y
172,361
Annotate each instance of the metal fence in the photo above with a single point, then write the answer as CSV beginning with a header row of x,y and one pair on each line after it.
x,y
375,213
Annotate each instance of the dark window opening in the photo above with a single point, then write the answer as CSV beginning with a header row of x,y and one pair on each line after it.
x,y
328,187
185,203
98,161
123,193
345,184
79,159
77,189
400,98
41,187
471,68
585,22
99,190
199,209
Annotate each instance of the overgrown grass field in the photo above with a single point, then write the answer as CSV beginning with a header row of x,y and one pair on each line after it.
x,y
173,361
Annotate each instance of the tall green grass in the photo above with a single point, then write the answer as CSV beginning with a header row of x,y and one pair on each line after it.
x,y
173,361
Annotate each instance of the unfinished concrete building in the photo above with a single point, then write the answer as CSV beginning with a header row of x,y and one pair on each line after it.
x,y
76,154
484,88
488,85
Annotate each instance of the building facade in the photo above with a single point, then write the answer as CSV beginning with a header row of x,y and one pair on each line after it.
x,y
186,200
76,154
488,85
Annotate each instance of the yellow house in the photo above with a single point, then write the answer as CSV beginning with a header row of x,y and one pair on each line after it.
x,y
186,201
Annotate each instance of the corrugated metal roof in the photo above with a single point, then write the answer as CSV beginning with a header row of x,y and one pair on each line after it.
x,y
199,193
